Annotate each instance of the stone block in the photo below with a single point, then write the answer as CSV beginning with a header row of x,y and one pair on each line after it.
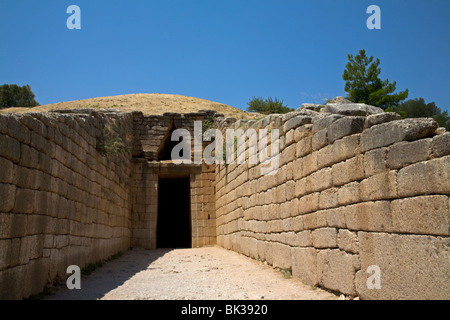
x,y
7,171
319,139
328,198
296,122
337,271
380,118
348,241
24,201
386,134
308,203
369,216
348,171
348,194
324,238
405,153
304,265
412,267
310,164
9,148
352,109
346,148
320,123
421,215
428,177
440,146
303,147
281,256
375,161
7,197
319,180
380,186
345,127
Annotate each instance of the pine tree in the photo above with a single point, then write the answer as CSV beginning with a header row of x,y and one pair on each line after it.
x,y
363,84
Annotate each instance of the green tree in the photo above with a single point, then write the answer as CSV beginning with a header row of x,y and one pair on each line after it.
x,y
12,96
267,106
418,108
363,84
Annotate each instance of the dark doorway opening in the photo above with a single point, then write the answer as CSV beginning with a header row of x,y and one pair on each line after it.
x,y
174,213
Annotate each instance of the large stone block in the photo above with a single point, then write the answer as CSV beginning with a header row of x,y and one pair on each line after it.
x,y
380,186
369,216
304,265
440,146
348,171
404,153
9,148
421,215
348,194
348,241
385,134
319,180
375,161
352,109
411,266
296,122
320,139
345,127
346,148
428,177
380,118
324,238
337,270
7,197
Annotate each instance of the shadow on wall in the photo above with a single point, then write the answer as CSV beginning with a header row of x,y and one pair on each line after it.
x,y
110,276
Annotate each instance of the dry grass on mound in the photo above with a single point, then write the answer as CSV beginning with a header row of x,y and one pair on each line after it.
x,y
149,104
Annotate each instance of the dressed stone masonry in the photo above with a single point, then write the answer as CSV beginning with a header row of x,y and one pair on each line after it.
x,y
356,187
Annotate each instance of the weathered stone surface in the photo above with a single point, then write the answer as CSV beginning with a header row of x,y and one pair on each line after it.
x,y
352,109
380,186
348,171
440,146
304,265
311,106
337,270
404,153
296,122
346,148
345,127
369,216
348,241
374,119
324,238
412,266
7,197
320,139
324,122
428,177
421,215
348,194
375,161
385,134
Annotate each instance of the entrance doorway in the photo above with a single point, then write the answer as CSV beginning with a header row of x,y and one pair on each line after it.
x,y
174,213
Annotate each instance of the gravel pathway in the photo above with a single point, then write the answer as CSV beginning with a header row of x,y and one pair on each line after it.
x,y
211,273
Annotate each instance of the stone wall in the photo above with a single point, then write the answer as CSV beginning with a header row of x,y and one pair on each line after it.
x,y
355,188
64,195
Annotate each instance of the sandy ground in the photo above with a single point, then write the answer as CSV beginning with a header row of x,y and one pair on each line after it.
x,y
211,273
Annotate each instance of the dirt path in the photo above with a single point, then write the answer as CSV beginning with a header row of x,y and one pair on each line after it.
x,y
209,273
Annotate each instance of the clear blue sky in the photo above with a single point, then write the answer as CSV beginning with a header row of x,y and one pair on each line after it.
x,y
222,50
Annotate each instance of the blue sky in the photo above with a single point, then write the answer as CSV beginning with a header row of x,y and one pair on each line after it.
x,y
222,50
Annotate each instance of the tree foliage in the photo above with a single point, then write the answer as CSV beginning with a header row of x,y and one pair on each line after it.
x,y
363,84
12,96
267,106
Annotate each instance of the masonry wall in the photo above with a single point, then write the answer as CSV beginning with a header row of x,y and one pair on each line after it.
x,y
64,195
351,192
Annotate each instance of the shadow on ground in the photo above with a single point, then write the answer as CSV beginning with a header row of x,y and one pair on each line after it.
x,y
110,276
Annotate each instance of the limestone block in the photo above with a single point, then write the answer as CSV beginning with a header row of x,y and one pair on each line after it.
x,y
411,266
346,148
352,109
309,164
380,186
440,145
281,256
297,169
426,177
304,265
319,180
336,270
349,193
421,215
7,171
379,118
345,127
385,134
404,153
308,203
320,139
335,217
348,241
369,216
348,171
303,147
296,122
325,157
375,161
324,238
9,148
302,132
11,283
328,198
320,123
7,197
